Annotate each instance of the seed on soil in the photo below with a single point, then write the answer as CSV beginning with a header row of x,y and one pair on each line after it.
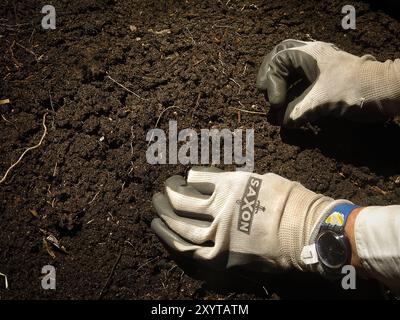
x,y
55,242
34,213
4,101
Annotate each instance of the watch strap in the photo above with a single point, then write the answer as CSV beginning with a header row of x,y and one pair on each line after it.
x,y
337,217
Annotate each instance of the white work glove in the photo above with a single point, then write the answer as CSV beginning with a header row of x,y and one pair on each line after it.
x,y
226,219
358,88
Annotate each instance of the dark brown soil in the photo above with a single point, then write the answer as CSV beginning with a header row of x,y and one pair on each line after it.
x,y
95,196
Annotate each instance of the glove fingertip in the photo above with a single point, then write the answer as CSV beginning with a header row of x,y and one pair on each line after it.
x,y
162,231
156,197
156,224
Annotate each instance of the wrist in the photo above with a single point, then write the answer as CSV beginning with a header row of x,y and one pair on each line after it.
x,y
350,233
329,248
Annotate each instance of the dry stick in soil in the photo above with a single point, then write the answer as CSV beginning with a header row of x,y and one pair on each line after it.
x,y
8,121
248,111
37,59
26,150
111,273
16,62
162,112
52,108
123,87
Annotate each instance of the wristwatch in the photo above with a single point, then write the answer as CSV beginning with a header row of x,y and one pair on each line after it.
x,y
332,245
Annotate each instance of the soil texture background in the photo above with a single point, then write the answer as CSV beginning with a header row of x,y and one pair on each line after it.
x,y
89,184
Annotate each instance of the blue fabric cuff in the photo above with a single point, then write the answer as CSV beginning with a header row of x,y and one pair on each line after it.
x,y
339,214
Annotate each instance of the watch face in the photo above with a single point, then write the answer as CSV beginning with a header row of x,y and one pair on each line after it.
x,y
332,250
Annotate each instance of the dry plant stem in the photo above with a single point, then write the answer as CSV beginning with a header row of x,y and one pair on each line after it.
x,y
111,274
52,108
27,50
5,280
132,137
55,170
16,62
198,62
8,121
123,87
94,198
234,81
191,36
248,111
26,150
162,112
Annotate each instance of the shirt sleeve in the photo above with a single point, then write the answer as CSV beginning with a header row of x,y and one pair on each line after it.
x,y
377,236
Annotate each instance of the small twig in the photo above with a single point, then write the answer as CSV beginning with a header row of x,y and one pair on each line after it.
x,y
266,291
94,198
172,268
191,36
55,170
198,62
234,81
5,280
162,112
29,51
379,190
248,111
197,101
131,169
111,274
122,86
130,243
146,263
52,108
13,25
17,64
244,69
220,59
26,150
48,249
196,104
8,121
218,26
31,37
132,137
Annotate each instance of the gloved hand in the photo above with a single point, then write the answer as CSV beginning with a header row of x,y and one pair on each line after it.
x,y
226,219
359,88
